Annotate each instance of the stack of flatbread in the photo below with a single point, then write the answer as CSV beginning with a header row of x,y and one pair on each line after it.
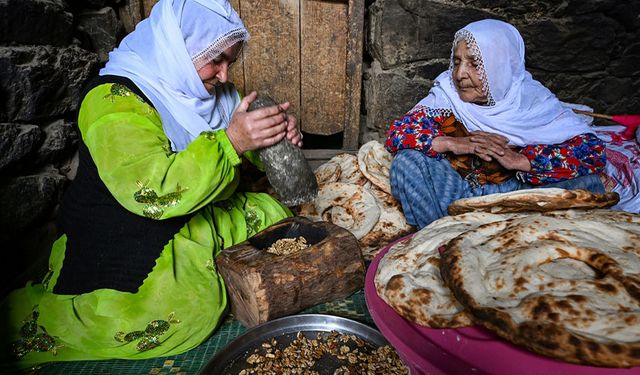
x,y
354,193
561,282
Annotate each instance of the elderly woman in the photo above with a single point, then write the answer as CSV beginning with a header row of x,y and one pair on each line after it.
x,y
486,127
154,201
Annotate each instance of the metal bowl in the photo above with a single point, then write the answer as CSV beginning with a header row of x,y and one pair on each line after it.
x,y
231,359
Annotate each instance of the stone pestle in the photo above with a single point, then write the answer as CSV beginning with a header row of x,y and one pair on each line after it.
x,y
286,167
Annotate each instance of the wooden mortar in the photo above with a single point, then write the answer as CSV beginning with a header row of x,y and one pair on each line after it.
x,y
264,286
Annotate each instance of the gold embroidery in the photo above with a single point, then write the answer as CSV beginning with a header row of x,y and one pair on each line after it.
x,y
34,338
210,135
118,89
155,204
150,337
211,266
166,146
253,222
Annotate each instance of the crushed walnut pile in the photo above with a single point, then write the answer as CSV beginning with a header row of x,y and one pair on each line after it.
x,y
348,355
286,246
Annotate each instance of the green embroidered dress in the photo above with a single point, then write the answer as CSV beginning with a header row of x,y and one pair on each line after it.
x,y
182,300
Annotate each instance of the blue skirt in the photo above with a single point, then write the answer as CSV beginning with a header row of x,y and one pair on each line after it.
x,y
426,186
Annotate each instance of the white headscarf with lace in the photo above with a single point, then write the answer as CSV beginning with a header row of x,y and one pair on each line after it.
x,y
519,107
162,56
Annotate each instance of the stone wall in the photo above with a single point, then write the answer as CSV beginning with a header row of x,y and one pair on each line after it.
x,y
585,51
49,49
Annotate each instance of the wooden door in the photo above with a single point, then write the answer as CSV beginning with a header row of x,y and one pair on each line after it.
x,y
307,52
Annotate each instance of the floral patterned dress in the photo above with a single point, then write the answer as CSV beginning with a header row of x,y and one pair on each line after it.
x,y
579,156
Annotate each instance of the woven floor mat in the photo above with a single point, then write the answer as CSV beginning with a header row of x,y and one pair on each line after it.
x,y
191,362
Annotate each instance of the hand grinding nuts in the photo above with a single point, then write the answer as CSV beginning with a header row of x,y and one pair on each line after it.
x,y
286,167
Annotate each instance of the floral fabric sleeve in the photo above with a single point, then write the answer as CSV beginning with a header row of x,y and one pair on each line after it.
x,y
579,156
416,130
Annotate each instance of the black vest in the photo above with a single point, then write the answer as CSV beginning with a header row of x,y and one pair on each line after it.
x,y
107,246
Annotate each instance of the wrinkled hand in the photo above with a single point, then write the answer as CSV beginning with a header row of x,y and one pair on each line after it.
x,y
512,160
478,143
487,146
260,128
293,134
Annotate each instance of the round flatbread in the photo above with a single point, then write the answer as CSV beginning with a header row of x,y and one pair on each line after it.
x,y
408,276
340,168
350,206
374,162
507,275
537,200
390,226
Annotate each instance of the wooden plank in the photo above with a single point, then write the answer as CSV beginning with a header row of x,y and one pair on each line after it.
x,y
130,14
146,6
353,75
323,66
272,59
317,157
236,72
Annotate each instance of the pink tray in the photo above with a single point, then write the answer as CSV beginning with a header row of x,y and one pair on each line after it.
x,y
462,350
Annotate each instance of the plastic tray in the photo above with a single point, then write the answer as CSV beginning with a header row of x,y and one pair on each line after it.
x,y
469,350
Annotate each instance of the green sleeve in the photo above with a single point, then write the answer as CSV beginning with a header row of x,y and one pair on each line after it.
x,y
132,154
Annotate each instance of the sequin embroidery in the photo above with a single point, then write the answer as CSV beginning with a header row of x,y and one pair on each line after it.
x,y
253,221
166,146
150,337
34,338
118,89
155,204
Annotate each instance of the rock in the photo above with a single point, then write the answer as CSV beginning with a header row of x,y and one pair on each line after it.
x,y
16,142
101,29
27,200
42,81
61,140
420,30
37,22
558,45
286,167
390,94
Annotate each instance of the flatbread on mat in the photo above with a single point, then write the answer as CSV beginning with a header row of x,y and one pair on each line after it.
x,y
390,226
340,168
374,162
350,206
508,274
537,200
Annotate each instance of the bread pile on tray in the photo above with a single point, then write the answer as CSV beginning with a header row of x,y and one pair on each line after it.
x,y
354,193
564,283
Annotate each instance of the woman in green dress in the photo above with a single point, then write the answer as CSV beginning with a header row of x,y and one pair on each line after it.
x,y
162,136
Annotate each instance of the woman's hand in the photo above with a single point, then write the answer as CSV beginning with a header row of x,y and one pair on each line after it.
x,y
482,144
486,146
293,134
512,160
260,128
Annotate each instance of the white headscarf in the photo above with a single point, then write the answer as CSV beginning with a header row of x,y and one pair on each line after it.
x,y
519,107
159,57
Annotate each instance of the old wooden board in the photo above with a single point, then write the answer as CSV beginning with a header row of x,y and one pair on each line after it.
x,y
272,60
146,7
236,71
130,13
353,75
323,65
